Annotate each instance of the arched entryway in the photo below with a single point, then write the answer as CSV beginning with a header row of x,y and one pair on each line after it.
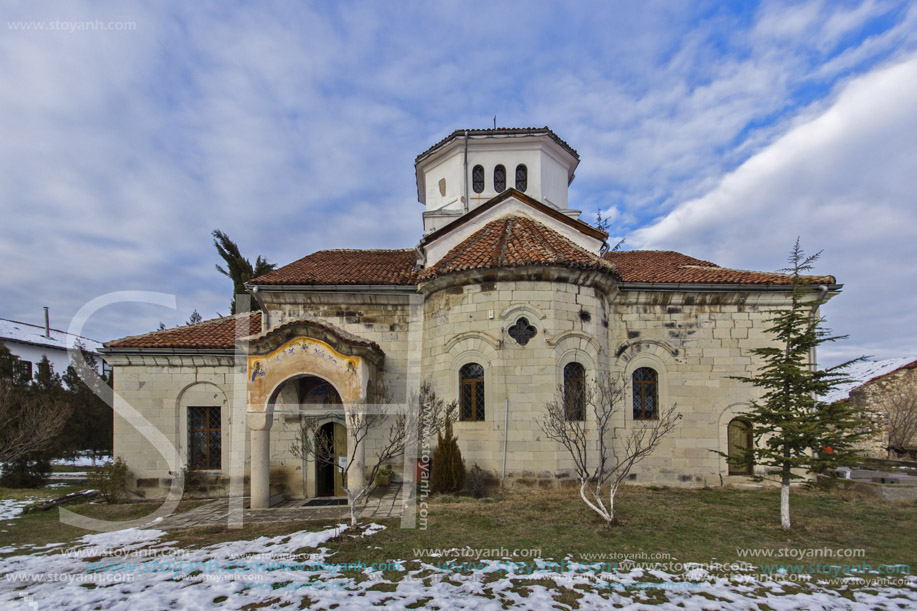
x,y
280,363
297,405
740,441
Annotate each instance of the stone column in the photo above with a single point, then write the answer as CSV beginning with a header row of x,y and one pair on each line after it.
x,y
260,470
356,474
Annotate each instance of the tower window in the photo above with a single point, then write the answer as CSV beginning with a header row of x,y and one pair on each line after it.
x,y
499,179
477,178
522,177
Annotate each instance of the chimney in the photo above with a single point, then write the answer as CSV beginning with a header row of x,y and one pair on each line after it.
x,y
47,324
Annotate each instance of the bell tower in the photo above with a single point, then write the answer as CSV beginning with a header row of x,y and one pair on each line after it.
x,y
471,166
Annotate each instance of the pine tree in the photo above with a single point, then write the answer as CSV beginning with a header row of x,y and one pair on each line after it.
x,y
32,469
448,467
793,429
238,269
7,364
195,317
90,426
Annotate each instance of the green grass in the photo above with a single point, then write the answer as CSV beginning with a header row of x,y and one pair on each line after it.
x,y
690,525
42,527
74,469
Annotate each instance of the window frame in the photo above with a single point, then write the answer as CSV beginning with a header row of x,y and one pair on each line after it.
x,y
500,186
642,385
208,431
23,370
574,413
478,412
525,178
477,184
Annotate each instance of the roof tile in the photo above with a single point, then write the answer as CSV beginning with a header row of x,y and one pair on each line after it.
x,y
665,266
379,267
218,333
514,241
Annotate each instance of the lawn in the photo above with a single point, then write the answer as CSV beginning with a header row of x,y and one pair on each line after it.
x,y
494,553
689,525
42,527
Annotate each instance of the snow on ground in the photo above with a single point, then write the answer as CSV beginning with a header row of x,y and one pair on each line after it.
x,y
81,461
135,570
10,508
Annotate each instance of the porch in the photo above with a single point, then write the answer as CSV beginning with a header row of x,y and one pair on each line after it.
x,y
307,369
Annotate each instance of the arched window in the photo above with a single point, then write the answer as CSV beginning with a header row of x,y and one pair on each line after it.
x,y
499,179
471,391
522,177
477,178
574,391
646,394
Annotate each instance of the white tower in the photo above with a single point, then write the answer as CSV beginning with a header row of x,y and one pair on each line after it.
x,y
470,167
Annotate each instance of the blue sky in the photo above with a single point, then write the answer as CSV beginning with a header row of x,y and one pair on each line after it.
x,y
722,130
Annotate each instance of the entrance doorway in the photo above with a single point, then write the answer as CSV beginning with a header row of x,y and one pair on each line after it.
x,y
740,440
328,478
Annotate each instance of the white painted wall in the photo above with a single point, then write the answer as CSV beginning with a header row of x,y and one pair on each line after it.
x,y
550,169
58,357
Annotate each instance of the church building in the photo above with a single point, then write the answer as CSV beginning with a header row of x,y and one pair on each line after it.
x,y
507,297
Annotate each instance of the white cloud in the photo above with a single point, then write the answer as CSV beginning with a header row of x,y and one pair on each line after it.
x,y
845,183
294,127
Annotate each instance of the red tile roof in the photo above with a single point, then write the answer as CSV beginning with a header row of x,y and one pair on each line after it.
x,y
514,241
219,333
388,267
665,266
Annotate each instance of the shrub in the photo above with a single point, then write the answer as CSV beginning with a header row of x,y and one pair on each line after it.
x,y
477,481
111,480
448,467
191,481
31,471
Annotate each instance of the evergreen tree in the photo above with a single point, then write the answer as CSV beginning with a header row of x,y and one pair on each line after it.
x,y
448,467
238,269
89,428
32,469
46,379
7,364
195,317
793,429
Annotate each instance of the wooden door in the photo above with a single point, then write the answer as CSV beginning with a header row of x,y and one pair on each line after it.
x,y
740,440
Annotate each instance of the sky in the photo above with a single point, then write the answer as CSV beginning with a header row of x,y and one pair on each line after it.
x,y
129,132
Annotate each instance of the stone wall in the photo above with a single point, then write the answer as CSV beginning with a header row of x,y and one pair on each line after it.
x,y
154,392
872,399
695,341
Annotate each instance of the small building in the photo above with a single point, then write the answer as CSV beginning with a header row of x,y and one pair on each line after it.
x,y
508,296
887,391
29,343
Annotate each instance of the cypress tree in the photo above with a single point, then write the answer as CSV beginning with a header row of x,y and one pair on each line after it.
x,y
448,467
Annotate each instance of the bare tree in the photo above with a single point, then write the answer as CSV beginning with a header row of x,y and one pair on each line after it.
x,y
602,458
424,416
30,421
899,406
